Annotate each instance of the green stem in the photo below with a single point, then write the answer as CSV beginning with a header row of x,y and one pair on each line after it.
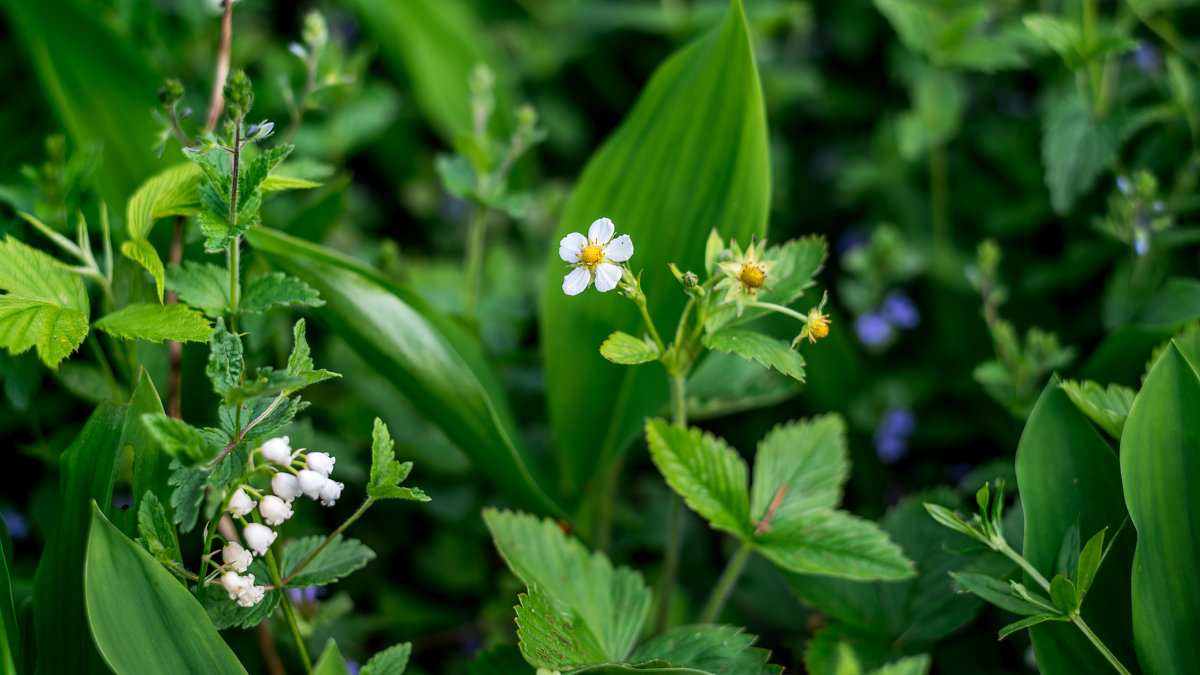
x,y
720,592
356,515
803,318
234,247
674,542
289,612
602,513
205,557
1100,647
476,235
650,327
939,197
105,367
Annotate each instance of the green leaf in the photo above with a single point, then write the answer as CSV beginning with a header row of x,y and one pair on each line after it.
x,y
553,634
225,613
690,157
391,661
1176,303
177,438
10,637
156,323
205,286
808,459
999,593
912,665
938,100
339,558
1089,562
713,649
1067,473
386,472
1027,622
834,543
706,472
1160,460
46,305
627,350
1062,592
142,619
189,486
172,192
254,173
277,290
1108,408
757,347
1076,146
439,368
724,384
331,661
64,644
143,253
796,263
609,605
157,531
225,361
80,62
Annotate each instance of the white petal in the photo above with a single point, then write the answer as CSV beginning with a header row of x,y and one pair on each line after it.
x,y
620,249
601,231
607,276
570,246
576,281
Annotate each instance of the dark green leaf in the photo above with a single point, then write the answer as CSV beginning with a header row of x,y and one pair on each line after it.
x,y
391,661
1089,562
1176,303
1062,592
757,347
157,532
1027,622
189,492
151,465
10,637
176,437
277,290
338,559
225,362
999,593
386,472
706,472
504,660
834,543
713,649
225,613
1076,146
724,384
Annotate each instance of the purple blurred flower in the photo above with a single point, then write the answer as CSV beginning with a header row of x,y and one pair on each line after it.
x,y
1147,58
1124,185
17,524
352,667
872,329
1140,245
306,594
891,449
900,311
891,437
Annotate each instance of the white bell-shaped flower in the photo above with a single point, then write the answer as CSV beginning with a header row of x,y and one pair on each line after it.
x,y
236,556
278,450
259,538
251,595
274,510
234,583
320,462
331,491
285,486
240,503
310,483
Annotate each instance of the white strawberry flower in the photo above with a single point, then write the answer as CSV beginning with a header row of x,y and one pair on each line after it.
x,y
331,491
278,450
594,257
285,486
240,503
320,462
274,510
310,483
259,538
236,556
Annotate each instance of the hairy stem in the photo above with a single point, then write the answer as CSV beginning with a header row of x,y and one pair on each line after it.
x,y
725,584
175,349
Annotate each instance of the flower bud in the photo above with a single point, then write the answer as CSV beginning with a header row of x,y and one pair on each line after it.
x,y
259,538
171,92
239,94
236,556
274,510
320,462
285,486
331,491
310,483
278,450
240,503
235,583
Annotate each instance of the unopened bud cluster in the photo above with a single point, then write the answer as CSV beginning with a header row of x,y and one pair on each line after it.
x,y
295,474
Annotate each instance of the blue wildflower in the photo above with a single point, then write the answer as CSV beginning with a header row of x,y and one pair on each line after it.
x,y
873,330
891,437
17,524
1124,185
900,311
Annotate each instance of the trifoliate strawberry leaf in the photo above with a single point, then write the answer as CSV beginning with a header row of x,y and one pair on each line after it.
x,y
757,347
277,290
391,661
156,323
205,286
45,307
713,649
225,361
807,461
553,635
834,543
386,472
329,562
706,472
625,349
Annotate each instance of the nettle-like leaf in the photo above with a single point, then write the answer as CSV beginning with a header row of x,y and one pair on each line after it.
x,y
225,361
391,661
156,323
176,437
705,471
189,485
277,290
1076,145
1107,407
225,613
606,606
834,543
45,305
156,531
712,649
339,558
386,472
757,347
625,349
204,286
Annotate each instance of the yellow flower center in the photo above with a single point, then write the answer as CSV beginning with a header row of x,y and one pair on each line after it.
x,y
818,325
590,255
752,276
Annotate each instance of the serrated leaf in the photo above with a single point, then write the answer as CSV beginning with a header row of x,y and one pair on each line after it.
x,y
1108,407
189,492
757,347
172,192
277,290
391,661
46,306
725,384
625,349
339,558
1076,146
834,543
386,472
706,472
143,253
157,531
611,604
156,323
809,457
225,361
225,613
998,593
553,635
712,649
255,172
205,286
1027,622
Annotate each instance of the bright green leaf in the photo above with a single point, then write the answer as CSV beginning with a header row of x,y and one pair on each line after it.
x,y
1089,562
706,472
225,361
204,286
834,543
1062,593
553,634
331,661
176,437
807,460
171,192
757,347
391,661
46,305
627,350
1108,408
156,323
277,290
143,253
386,472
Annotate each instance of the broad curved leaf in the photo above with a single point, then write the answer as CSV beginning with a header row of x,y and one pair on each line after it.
x,y
691,156
706,472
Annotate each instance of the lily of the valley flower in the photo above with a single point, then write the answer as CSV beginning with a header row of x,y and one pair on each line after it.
x,y
259,538
278,450
274,510
320,462
236,556
310,483
331,491
242,589
285,486
594,257
240,503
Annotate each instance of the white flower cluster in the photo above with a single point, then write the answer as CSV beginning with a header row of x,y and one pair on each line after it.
x,y
287,484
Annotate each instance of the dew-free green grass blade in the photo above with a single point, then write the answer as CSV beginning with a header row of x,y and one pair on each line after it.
x,y
691,156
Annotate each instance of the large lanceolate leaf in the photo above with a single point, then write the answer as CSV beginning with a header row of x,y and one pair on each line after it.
x,y
705,471
64,644
438,367
81,62
1067,473
144,621
690,157
1160,465
580,610
10,639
